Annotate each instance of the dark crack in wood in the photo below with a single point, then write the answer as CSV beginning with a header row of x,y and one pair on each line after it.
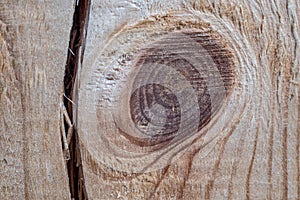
x,y
74,59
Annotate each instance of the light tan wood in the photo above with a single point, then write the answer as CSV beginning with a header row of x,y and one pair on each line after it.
x,y
246,148
34,38
249,149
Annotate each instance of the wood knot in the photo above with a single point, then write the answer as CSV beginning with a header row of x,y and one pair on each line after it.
x,y
153,91
178,85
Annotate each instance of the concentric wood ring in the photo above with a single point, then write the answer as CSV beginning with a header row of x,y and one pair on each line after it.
x,y
163,71
153,90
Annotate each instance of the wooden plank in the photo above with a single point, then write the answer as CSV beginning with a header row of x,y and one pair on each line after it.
x,y
34,40
248,147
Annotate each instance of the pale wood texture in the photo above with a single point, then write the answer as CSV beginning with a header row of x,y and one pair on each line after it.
x,y
249,149
34,38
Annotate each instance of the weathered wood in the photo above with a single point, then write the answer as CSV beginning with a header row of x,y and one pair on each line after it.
x,y
249,147
245,147
34,38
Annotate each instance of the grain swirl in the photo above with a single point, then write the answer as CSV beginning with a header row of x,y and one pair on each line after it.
x,y
155,90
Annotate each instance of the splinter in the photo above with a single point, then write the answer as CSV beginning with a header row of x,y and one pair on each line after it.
x,y
66,138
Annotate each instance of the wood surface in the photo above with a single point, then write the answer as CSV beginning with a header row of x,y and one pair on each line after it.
x,y
234,134
34,37
176,99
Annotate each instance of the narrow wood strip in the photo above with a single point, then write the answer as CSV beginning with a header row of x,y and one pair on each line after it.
x,y
298,145
248,192
270,156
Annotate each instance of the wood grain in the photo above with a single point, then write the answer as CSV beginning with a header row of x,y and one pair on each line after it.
x,y
247,149
177,99
33,44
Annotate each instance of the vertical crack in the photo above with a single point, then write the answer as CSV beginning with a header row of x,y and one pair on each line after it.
x,y
74,60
